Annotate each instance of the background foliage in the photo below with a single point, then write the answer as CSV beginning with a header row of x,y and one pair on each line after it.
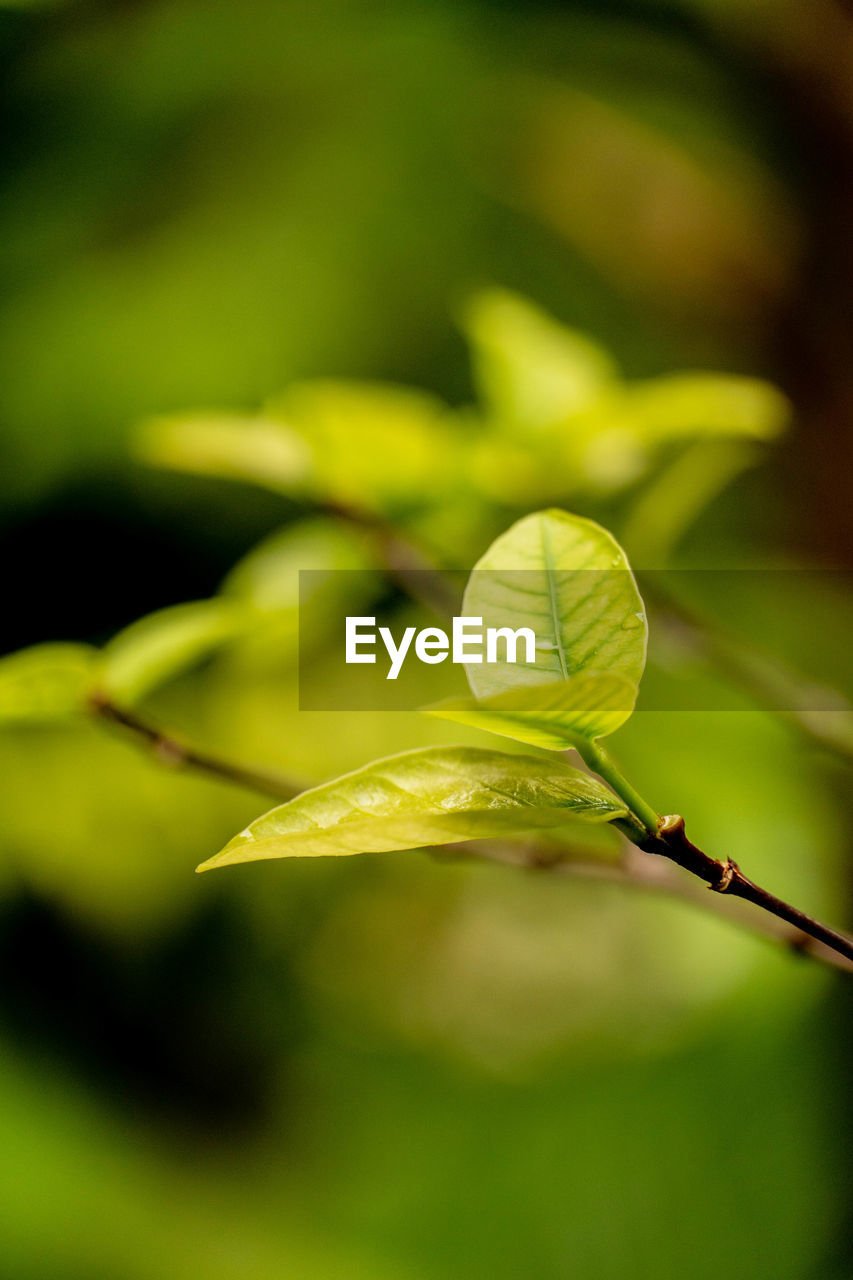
x,y
237,225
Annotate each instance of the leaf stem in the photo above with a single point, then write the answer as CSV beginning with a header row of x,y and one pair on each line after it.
x,y
168,750
597,758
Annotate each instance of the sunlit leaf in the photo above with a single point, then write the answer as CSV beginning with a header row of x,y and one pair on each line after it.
x,y
321,564
568,580
556,715
614,442
162,645
267,578
434,796
44,683
255,450
530,371
700,404
373,445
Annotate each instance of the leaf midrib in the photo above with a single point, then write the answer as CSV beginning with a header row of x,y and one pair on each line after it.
x,y
548,558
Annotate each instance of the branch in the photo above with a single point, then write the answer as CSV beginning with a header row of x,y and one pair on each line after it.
x,y
635,871
808,936
726,877
409,563
819,713
176,754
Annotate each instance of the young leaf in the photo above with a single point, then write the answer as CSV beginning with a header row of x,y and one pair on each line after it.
x,y
44,683
555,716
374,446
267,578
568,580
531,371
160,646
428,797
319,563
693,405
255,450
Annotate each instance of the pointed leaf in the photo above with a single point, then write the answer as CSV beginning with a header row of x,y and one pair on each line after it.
x,y
568,580
690,405
434,796
555,716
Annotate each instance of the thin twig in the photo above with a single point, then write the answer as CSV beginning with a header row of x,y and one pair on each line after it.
x,y
808,936
819,713
174,753
636,871
726,877
408,562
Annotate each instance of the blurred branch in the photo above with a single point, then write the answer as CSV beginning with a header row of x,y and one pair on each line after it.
x,y
411,564
767,681
173,753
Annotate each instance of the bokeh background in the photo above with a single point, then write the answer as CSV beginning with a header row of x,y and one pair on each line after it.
x,y
393,1067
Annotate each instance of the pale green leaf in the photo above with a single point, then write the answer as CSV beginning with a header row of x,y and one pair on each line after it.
x,y
530,371
427,797
555,716
162,645
568,580
267,578
300,583
374,446
686,405
44,683
255,450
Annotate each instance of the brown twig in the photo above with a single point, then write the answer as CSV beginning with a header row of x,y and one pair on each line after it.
x,y
808,936
726,877
636,871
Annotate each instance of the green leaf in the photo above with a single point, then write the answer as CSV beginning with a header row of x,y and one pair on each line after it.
x,y
427,797
47,682
267,578
690,405
162,645
618,438
556,716
254,450
374,446
530,371
300,582
568,580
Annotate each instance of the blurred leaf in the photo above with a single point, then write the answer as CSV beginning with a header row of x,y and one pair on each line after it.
x,y
435,796
44,683
254,450
319,563
373,445
530,371
569,581
698,404
162,645
268,577
554,716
